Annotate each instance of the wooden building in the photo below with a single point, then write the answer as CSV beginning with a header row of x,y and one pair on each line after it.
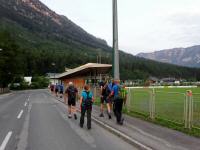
x,y
90,73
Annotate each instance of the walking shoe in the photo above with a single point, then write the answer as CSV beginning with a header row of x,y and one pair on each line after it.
x,y
75,116
81,125
69,116
109,116
101,115
89,128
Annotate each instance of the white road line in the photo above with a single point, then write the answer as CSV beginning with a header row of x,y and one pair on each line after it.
x,y
5,142
25,104
20,114
28,98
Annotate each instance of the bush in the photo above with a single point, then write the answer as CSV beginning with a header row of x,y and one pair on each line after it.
x,y
39,82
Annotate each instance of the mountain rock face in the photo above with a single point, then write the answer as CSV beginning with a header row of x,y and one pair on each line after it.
x,y
189,57
37,17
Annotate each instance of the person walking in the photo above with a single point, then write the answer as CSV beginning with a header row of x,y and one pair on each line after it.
x,y
105,92
56,89
86,102
111,98
124,94
61,89
118,102
71,92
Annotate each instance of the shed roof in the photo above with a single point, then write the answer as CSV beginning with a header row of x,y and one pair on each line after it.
x,y
100,68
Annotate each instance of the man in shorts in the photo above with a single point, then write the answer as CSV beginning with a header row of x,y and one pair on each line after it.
x,y
105,92
71,92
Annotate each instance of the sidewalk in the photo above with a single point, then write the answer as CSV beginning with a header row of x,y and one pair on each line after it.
x,y
151,135
147,135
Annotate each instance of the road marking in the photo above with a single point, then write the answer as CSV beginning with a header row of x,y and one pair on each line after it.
x,y
20,114
25,104
5,142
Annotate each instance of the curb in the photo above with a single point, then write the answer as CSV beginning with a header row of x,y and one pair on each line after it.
x,y
116,132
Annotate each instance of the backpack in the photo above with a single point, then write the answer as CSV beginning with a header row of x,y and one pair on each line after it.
x,y
87,103
72,92
107,91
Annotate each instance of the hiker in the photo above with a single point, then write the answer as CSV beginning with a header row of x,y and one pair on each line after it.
x,y
71,93
56,89
105,92
124,93
86,102
61,89
52,88
111,97
118,102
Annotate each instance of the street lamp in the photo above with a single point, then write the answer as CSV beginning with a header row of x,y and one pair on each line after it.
x,y
115,42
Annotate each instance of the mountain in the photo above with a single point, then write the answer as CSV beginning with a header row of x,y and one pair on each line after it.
x,y
35,16
180,56
33,37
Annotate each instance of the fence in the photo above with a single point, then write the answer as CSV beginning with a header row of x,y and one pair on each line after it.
x,y
4,90
178,107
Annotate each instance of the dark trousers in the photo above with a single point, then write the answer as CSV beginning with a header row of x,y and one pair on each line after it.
x,y
83,111
117,108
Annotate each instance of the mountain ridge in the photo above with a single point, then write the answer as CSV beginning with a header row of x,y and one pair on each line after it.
x,y
45,37
61,26
189,56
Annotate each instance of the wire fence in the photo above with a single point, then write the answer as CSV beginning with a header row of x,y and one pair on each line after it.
x,y
170,106
196,109
178,107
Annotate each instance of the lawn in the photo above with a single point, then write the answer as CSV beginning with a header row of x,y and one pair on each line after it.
x,y
169,103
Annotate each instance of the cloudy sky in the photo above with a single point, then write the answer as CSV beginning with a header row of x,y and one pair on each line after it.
x,y
144,25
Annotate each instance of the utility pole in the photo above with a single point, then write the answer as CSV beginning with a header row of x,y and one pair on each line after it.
x,y
116,75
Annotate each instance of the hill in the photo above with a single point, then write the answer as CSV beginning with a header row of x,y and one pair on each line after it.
x,y
32,37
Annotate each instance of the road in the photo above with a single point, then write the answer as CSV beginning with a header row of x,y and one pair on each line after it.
x,y
34,120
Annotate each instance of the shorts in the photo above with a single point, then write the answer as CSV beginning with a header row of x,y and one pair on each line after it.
x,y
51,90
105,99
71,102
61,92
56,90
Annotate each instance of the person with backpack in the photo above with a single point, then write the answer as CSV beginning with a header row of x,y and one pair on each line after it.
x,y
71,93
61,88
56,89
118,102
105,92
86,102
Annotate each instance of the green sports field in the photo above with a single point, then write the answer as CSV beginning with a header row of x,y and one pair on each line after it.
x,y
169,103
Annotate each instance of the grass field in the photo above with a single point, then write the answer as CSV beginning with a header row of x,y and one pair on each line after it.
x,y
169,103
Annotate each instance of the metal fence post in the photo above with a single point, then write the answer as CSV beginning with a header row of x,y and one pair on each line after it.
x,y
188,110
152,104
128,100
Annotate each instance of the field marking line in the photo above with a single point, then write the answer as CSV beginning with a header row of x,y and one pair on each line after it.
x,y
5,141
20,114
25,104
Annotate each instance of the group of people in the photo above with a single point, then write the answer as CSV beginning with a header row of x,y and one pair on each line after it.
x,y
113,94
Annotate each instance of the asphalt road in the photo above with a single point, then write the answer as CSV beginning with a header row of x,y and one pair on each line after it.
x,y
34,120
